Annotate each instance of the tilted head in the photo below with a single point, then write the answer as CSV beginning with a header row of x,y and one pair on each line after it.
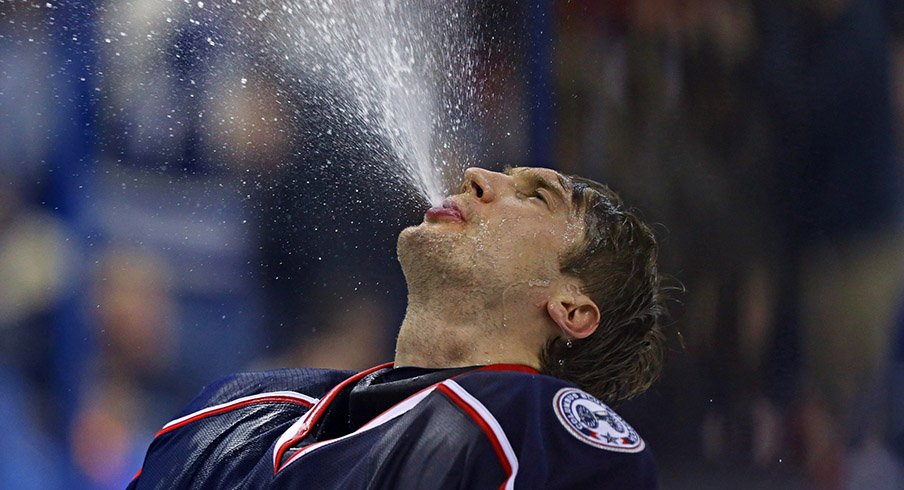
x,y
535,267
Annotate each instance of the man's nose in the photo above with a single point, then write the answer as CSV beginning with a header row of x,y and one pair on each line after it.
x,y
479,183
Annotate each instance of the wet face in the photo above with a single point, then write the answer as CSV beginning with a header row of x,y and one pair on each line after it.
x,y
502,230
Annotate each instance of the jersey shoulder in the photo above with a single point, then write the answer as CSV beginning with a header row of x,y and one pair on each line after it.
x,y
550,420
223,437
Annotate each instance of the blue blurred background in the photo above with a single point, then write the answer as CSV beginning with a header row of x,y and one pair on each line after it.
x,y
170,212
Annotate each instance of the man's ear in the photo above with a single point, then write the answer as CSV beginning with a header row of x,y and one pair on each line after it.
x,y
574,312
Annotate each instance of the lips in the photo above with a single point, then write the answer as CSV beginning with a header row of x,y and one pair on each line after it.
x,y
448,212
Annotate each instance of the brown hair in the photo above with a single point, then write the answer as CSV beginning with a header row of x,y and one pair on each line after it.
x,y
617,264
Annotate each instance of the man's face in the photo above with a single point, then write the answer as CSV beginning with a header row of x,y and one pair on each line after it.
x,y
502,230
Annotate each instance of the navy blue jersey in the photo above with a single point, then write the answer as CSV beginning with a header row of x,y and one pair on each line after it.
x,y
493,427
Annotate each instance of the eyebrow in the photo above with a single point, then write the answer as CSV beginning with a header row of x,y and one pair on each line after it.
x,y
539,181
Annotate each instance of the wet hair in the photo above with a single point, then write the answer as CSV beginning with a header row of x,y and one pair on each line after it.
x,y
617,264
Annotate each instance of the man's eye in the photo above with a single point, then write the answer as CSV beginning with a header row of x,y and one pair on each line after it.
x,y
534,195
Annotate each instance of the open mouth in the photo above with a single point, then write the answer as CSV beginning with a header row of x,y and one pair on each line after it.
x,y
449,211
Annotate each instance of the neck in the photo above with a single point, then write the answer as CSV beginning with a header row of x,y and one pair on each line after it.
x,y
465,328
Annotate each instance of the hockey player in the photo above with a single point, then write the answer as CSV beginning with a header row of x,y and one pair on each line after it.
x,y
533,305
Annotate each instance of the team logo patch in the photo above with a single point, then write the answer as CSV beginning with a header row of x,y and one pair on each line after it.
x,y
592,422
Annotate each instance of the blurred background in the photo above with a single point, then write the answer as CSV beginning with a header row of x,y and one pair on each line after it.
x,y
172,210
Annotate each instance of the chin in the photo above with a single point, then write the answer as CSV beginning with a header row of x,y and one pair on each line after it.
x,y
409,238
428,253
419,240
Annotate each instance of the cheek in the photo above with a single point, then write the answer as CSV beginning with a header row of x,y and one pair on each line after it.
x,y
527,242
543,242
511,239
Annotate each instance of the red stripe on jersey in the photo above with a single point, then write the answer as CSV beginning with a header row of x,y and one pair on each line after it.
x,y
494,441
509,367
235,406
318,410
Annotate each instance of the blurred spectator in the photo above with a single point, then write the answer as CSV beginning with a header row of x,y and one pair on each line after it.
x,y
35,265
199,228
136,315
132,378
